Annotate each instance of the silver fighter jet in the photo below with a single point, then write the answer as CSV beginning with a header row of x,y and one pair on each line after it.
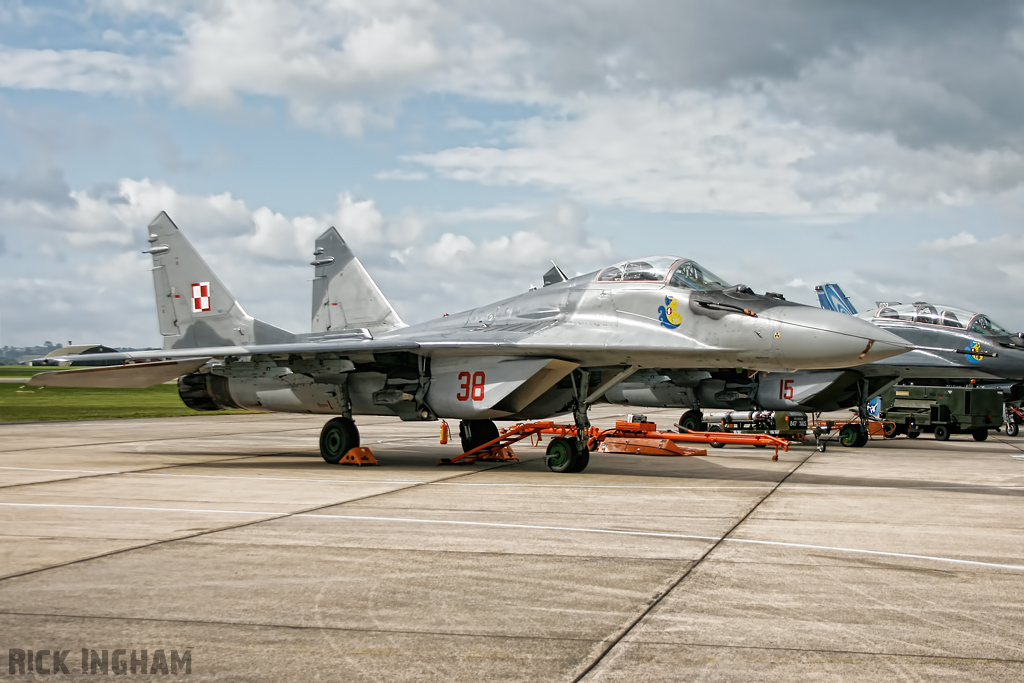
x,y
949,344
548,351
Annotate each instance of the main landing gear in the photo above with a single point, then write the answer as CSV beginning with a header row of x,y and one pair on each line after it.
x,y
340,435
855,434
337,438
475,433
570,454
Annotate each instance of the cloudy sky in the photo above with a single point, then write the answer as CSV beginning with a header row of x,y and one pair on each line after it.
x,y
460,146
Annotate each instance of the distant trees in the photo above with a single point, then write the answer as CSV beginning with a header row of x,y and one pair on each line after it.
x,y
12,355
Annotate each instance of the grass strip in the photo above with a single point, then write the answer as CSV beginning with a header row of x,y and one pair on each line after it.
x,y
19,403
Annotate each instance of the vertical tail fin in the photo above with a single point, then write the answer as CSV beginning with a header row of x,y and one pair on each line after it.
x,y
832,298
344,294
193,306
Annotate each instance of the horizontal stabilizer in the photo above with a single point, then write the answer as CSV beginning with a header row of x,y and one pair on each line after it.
x,y
137,376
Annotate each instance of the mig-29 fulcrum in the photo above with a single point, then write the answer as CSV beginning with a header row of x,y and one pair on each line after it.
x,y
545,352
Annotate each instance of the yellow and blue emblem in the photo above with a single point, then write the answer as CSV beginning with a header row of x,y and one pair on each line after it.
x,y
669,314
975,346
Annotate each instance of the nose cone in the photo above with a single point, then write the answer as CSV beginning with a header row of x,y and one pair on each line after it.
x,y
813,338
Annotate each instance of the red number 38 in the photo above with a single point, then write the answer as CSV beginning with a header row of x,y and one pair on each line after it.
x,y
472,386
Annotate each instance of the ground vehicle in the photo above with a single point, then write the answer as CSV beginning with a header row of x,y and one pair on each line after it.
x,y
1013,417
943,411
791,426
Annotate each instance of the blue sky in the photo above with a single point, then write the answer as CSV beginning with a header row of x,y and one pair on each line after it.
x,y
461,146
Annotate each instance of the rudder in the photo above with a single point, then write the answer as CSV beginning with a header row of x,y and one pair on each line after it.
x,y
831,298
194,308
345,297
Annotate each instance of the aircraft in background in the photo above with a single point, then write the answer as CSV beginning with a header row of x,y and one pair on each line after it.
x,y
545,352
950,344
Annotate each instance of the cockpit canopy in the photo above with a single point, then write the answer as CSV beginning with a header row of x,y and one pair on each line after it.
x,y
682,273
947,316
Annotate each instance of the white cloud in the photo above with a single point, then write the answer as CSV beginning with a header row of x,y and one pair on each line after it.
x,y
957,241
401,174
631,108
92,277
694,153
86,71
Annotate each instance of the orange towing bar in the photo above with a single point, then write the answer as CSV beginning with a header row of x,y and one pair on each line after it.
x,y
638,433
649,430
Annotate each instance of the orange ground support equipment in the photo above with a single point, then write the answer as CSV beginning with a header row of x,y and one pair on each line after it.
x,y
501,448
645,435
358,456
639,438
876,428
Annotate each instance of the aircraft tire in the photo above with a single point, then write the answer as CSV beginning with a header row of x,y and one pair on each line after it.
x,y
1012,429
716,428
337,438
692,420
980,434
564,455
582,461
913,435
849,435
862,437
941,433
475,433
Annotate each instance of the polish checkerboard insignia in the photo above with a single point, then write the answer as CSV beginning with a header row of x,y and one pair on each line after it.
x,y
200,296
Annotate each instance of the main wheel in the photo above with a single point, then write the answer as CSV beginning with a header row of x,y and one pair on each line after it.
x,y
337,438
913,435
850,435
717,428
980,434
565,455
692,420
941,433
1012,429
862,437
475,433
582,461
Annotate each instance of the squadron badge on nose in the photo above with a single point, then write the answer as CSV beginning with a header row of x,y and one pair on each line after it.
x,y
669,314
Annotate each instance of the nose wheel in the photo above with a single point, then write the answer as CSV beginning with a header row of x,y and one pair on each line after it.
x,y
567,455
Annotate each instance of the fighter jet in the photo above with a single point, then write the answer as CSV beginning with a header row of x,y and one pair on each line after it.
x,y
548,351
950,344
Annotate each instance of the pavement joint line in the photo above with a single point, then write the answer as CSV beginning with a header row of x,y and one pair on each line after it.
x,y
270,515
99,473
789,489
870,653
653,604
230,527
166,438
301,627
458,634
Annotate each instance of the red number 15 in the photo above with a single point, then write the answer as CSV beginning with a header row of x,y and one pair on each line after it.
x,y
786,389
472,386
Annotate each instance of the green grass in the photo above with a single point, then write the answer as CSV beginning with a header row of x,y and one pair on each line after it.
x,y
20,403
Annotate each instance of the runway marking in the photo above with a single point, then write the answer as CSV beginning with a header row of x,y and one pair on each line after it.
x,y
617,532
788,488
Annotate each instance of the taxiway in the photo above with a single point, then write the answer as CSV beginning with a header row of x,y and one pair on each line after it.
x,y
231,537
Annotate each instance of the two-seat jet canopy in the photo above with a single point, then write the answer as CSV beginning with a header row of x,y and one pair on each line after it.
x,y
678,272
948,316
